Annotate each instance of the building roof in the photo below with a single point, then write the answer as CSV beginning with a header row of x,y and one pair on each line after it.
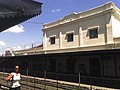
x,y
31,51
17,11
109,6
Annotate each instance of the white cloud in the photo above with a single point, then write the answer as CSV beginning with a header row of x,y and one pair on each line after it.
x,y
56,10
7,49
20,48
15,29
17,48
53,10
2,43
27,47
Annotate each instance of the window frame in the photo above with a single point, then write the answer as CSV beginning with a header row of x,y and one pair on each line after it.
x,y
52,42
69,37
93,32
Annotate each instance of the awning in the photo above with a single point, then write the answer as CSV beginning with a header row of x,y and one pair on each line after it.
x,y
13,12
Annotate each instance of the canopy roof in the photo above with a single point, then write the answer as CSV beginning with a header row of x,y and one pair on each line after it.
x,y
13,12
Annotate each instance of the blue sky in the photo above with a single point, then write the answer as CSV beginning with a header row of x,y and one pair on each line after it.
x,y
30,31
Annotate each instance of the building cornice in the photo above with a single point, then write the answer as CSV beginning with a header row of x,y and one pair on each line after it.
x,y
83,15
80,19
80,49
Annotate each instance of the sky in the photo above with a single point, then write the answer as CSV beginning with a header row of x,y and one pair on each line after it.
x,y
30,32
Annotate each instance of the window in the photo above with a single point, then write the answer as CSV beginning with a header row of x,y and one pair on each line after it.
x,y
70,37
93,33
52,40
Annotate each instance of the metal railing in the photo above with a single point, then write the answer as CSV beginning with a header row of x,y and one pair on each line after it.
x,y
42,80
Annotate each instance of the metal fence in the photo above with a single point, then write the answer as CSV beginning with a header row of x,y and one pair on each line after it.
x,y
43,80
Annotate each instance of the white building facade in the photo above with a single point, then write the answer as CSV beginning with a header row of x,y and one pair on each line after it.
x,y
92,30
95,29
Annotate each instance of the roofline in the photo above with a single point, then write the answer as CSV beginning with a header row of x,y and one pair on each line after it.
x,y
108,5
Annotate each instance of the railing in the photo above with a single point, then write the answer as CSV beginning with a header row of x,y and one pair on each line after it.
x,y
35,83
42,80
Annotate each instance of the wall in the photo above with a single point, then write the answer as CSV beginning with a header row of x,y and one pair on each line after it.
x,y
115,26
80,31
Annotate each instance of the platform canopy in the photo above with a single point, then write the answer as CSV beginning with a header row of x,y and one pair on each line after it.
x,y
13,12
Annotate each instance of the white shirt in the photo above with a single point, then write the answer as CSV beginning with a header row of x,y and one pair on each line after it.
x,y
16,79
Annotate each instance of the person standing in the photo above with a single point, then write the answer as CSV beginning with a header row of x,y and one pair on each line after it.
x,y
15,78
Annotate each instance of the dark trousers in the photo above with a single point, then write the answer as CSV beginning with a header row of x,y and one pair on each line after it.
x,y
18,88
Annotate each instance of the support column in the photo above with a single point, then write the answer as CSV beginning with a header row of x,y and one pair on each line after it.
x,y
44,41
80,37
60,40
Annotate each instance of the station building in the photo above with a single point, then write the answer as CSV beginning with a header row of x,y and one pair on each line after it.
x,y
87,42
